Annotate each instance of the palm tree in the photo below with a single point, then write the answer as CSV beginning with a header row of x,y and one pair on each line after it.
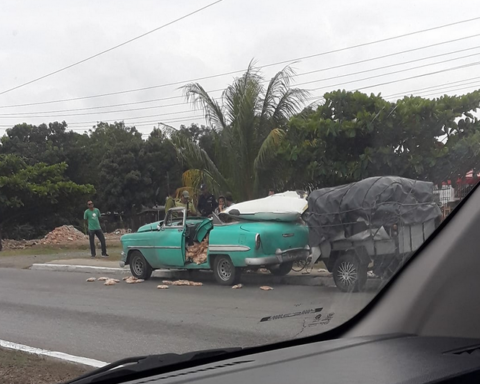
x,y
248,123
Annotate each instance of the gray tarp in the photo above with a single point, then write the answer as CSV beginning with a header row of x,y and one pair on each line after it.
x,y
368,203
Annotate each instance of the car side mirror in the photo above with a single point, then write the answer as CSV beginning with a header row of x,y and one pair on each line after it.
x,y
159,227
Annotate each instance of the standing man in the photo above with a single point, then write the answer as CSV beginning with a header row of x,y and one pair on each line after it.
x,y
185,202
92,222
229,200
170,203
206,202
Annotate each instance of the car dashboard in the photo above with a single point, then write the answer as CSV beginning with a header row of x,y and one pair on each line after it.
x,y
386,359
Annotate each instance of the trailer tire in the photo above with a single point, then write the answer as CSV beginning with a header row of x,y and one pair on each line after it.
x,y
349,274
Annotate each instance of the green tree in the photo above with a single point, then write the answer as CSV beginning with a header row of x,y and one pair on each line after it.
x,y
247,129
353,135
33,192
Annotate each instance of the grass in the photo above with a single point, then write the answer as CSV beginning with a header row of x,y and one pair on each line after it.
x,y
25,368
114,251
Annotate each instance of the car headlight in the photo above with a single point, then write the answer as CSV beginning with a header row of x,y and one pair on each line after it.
x,y
258,241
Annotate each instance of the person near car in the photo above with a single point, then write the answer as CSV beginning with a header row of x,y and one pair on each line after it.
x,y
186,203
228,200
170,202
221,205
92,223
206,202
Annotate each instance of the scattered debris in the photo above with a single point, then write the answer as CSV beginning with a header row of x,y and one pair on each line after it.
x,y
18,244
238,286
322,270
131,280
126,278
181,282
197,252
162,286
195,284
167,282
90,279
110,282
102,278
139,281
266,288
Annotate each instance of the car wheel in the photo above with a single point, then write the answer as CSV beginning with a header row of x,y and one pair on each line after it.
x,y
349,274
281,269
139,266
225,272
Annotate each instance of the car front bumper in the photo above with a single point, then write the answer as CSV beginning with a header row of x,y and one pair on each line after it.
x,y
280,257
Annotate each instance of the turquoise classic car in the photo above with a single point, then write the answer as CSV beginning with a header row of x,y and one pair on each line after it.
x,y
232,246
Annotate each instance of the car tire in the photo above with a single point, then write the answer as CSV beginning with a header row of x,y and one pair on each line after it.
x,y
281,269
139,266
225,272
349,274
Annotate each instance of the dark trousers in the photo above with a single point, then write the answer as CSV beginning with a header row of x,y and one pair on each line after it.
x,y
91,235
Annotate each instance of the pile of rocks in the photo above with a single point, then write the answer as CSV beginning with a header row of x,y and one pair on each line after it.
x,y
18,244
62,235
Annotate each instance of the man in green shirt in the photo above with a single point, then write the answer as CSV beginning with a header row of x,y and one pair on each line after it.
x,y
92,222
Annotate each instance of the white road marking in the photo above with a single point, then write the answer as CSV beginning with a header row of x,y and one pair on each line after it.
x,y
58,355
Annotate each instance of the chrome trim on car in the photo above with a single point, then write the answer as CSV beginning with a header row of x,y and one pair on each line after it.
x,y
281,252
152,247
228,248
294,254
288,234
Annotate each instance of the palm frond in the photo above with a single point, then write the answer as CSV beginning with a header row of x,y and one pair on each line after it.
x,y
196,158
291,102
268,149
199,98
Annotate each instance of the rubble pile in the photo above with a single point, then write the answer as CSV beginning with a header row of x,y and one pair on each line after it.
x,y
198,251
18,244
62,235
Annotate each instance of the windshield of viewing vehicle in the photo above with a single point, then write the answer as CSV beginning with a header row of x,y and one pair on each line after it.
x,y
296,155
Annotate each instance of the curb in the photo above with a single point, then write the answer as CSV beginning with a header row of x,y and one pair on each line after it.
x,y
247,278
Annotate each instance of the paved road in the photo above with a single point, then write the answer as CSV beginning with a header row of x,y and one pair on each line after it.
x,y
60,311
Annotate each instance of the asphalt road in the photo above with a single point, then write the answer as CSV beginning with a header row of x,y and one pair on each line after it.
x,y
60,311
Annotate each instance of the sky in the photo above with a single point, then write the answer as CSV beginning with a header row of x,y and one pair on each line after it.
x,y
37,38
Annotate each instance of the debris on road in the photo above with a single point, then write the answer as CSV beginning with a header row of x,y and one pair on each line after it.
x,y
139,281
162,286
167,282
18,244
110,282
266,288
131,280
103,278
186,283
198,251
238,286
126,278
90,279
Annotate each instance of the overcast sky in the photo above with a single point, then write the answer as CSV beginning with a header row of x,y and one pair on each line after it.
x,y
37,38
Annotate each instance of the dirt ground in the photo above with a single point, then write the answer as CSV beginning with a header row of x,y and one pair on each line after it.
x,y
24,368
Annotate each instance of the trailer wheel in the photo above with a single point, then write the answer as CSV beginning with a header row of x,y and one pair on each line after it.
x,y
349,274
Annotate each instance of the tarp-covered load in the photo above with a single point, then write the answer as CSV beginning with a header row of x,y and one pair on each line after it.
x,y
368,204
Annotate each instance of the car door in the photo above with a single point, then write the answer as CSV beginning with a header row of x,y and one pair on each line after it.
x,y
170,244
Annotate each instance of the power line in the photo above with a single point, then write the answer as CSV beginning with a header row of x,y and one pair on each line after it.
x,y
431,87
301,74
264,66
7,116
418,76
111,49
447,89
398,80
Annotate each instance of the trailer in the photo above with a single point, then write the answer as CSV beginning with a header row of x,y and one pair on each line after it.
x,y
374,225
